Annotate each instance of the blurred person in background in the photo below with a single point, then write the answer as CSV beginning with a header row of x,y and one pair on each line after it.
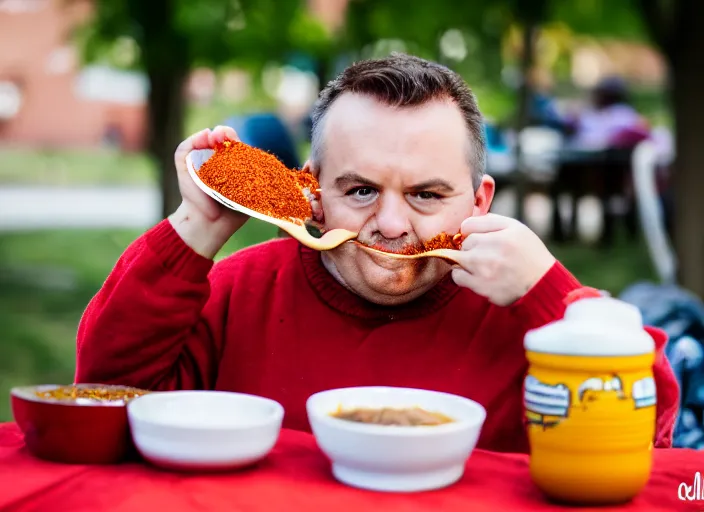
x,y
398,148
610,121
542,107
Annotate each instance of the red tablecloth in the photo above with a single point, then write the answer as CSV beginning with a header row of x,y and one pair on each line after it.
x,y
296,476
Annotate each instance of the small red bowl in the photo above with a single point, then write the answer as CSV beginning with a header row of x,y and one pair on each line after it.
x,y
73,432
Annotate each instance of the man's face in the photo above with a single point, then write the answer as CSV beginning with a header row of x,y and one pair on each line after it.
x,y
398,177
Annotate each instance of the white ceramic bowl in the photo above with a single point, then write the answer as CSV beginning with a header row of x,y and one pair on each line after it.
x,y
395,458
204,430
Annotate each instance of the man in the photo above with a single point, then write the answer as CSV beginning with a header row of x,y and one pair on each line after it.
x,y
399,153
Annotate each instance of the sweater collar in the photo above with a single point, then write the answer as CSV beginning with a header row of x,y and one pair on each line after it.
x,y
336,296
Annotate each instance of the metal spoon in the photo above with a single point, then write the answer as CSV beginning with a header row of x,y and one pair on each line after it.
x,y
329,240
446,254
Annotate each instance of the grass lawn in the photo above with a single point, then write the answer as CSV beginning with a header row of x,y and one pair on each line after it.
x,y
102,166
65,167
47,278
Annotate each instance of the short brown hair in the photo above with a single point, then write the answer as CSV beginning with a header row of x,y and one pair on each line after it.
x,y
402,80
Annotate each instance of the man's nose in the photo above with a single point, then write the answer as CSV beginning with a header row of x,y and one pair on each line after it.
x,y
392,218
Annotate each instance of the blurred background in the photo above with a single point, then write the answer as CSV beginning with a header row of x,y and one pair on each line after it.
x,y
594,113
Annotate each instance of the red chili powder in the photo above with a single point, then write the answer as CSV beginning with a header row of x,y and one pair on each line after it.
x,y
444,241
257,180
441,241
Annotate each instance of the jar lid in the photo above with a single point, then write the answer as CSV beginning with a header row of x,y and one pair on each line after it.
x,y
601,326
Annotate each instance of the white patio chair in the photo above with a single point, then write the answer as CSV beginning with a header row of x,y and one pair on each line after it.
x,y
645,159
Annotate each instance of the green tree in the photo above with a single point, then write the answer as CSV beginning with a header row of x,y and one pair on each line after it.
x,y
174,36
422,25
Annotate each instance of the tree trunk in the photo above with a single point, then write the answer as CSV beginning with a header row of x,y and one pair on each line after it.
x,y
166,131
524,97
167,61
688,105
531,15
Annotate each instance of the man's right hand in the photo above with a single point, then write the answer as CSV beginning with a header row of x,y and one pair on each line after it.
x,y
203,223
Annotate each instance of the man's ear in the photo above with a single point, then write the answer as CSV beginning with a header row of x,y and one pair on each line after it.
x,y
315,201
484,195
309,167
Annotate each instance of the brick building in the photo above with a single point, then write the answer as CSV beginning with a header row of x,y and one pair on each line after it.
x,y
46,98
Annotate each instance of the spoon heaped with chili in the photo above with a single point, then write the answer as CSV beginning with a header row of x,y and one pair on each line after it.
x,y
256,183
442,246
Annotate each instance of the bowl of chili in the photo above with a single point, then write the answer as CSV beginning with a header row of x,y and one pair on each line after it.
x,y
75,424
395,439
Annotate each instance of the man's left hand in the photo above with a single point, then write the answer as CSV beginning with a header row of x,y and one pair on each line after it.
x,y
501,258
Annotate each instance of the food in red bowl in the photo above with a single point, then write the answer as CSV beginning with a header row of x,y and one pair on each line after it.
x,y
76,424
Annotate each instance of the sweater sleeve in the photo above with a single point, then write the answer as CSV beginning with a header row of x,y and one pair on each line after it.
x,y
544,302
668,391
155,323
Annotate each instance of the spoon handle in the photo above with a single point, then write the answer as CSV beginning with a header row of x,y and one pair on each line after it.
x,y
446,254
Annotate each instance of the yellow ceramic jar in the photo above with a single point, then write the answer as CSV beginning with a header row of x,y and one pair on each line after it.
x,y
590,403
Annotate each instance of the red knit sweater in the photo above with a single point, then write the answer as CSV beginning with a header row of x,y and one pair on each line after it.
x,y
270,320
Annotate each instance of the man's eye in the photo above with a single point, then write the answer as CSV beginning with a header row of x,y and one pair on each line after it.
x,y
427,195
361,191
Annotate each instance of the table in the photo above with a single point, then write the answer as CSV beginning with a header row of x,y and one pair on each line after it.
x,y
606,174
296,476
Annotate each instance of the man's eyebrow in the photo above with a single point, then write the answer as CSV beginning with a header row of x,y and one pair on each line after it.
x,y
436,184
354,178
